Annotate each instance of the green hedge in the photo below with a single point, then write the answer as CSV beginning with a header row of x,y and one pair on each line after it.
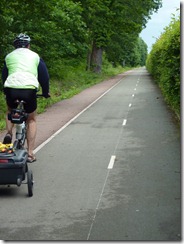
x,y
163,63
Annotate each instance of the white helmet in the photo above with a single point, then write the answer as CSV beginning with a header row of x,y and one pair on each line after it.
x,y
22,40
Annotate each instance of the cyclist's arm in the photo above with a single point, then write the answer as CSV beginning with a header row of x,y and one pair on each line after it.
x,y
4,73
43,77
4,76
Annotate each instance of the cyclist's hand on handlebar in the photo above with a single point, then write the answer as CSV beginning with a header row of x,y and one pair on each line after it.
x,y
46,95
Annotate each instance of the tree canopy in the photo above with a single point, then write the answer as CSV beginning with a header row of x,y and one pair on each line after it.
x,y
75,29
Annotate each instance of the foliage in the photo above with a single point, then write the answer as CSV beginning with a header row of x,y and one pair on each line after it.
x,y
75,28
134,55
56,28
114,25
70,28
164,63
140,53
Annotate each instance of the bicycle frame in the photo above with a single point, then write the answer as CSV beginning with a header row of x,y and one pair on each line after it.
x,y
19,117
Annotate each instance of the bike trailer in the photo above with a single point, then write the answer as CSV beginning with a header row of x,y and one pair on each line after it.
x,y
13,167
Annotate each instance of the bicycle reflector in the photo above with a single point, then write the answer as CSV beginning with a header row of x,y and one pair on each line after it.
x,y
3,161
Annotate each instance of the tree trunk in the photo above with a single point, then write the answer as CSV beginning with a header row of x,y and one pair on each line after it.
x,y
88,65
96,59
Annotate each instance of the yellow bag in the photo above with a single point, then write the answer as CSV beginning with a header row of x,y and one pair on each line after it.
x,y
6,147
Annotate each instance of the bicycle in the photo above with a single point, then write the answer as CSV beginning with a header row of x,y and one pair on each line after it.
x,y
13,162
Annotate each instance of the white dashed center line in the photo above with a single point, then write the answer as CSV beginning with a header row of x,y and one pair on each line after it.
x,y
124,122
111,163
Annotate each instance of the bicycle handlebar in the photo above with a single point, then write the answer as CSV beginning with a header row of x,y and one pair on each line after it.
x,y
41,95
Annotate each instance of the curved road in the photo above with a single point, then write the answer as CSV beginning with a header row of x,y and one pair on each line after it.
x,y
111,173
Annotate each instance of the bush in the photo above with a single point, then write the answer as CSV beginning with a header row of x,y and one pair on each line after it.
x,y
164,64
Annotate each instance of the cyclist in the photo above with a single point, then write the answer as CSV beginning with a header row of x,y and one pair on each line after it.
x,y
22,73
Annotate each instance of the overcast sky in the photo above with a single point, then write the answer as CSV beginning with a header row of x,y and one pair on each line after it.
x,y
159,21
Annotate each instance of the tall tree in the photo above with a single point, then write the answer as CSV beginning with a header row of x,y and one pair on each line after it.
x,y
56,27
64,29
108,19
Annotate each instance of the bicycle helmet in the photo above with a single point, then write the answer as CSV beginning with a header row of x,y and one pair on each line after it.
x,y
22,40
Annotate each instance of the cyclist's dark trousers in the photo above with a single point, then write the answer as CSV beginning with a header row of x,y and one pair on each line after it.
x,y
28,95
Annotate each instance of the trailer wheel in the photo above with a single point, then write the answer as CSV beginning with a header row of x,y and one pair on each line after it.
x,y
19,181
30,183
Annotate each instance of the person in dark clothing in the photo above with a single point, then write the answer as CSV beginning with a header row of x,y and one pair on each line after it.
x,y
22,74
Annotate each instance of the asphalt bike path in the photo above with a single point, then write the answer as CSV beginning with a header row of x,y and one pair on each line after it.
x,y
113,173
